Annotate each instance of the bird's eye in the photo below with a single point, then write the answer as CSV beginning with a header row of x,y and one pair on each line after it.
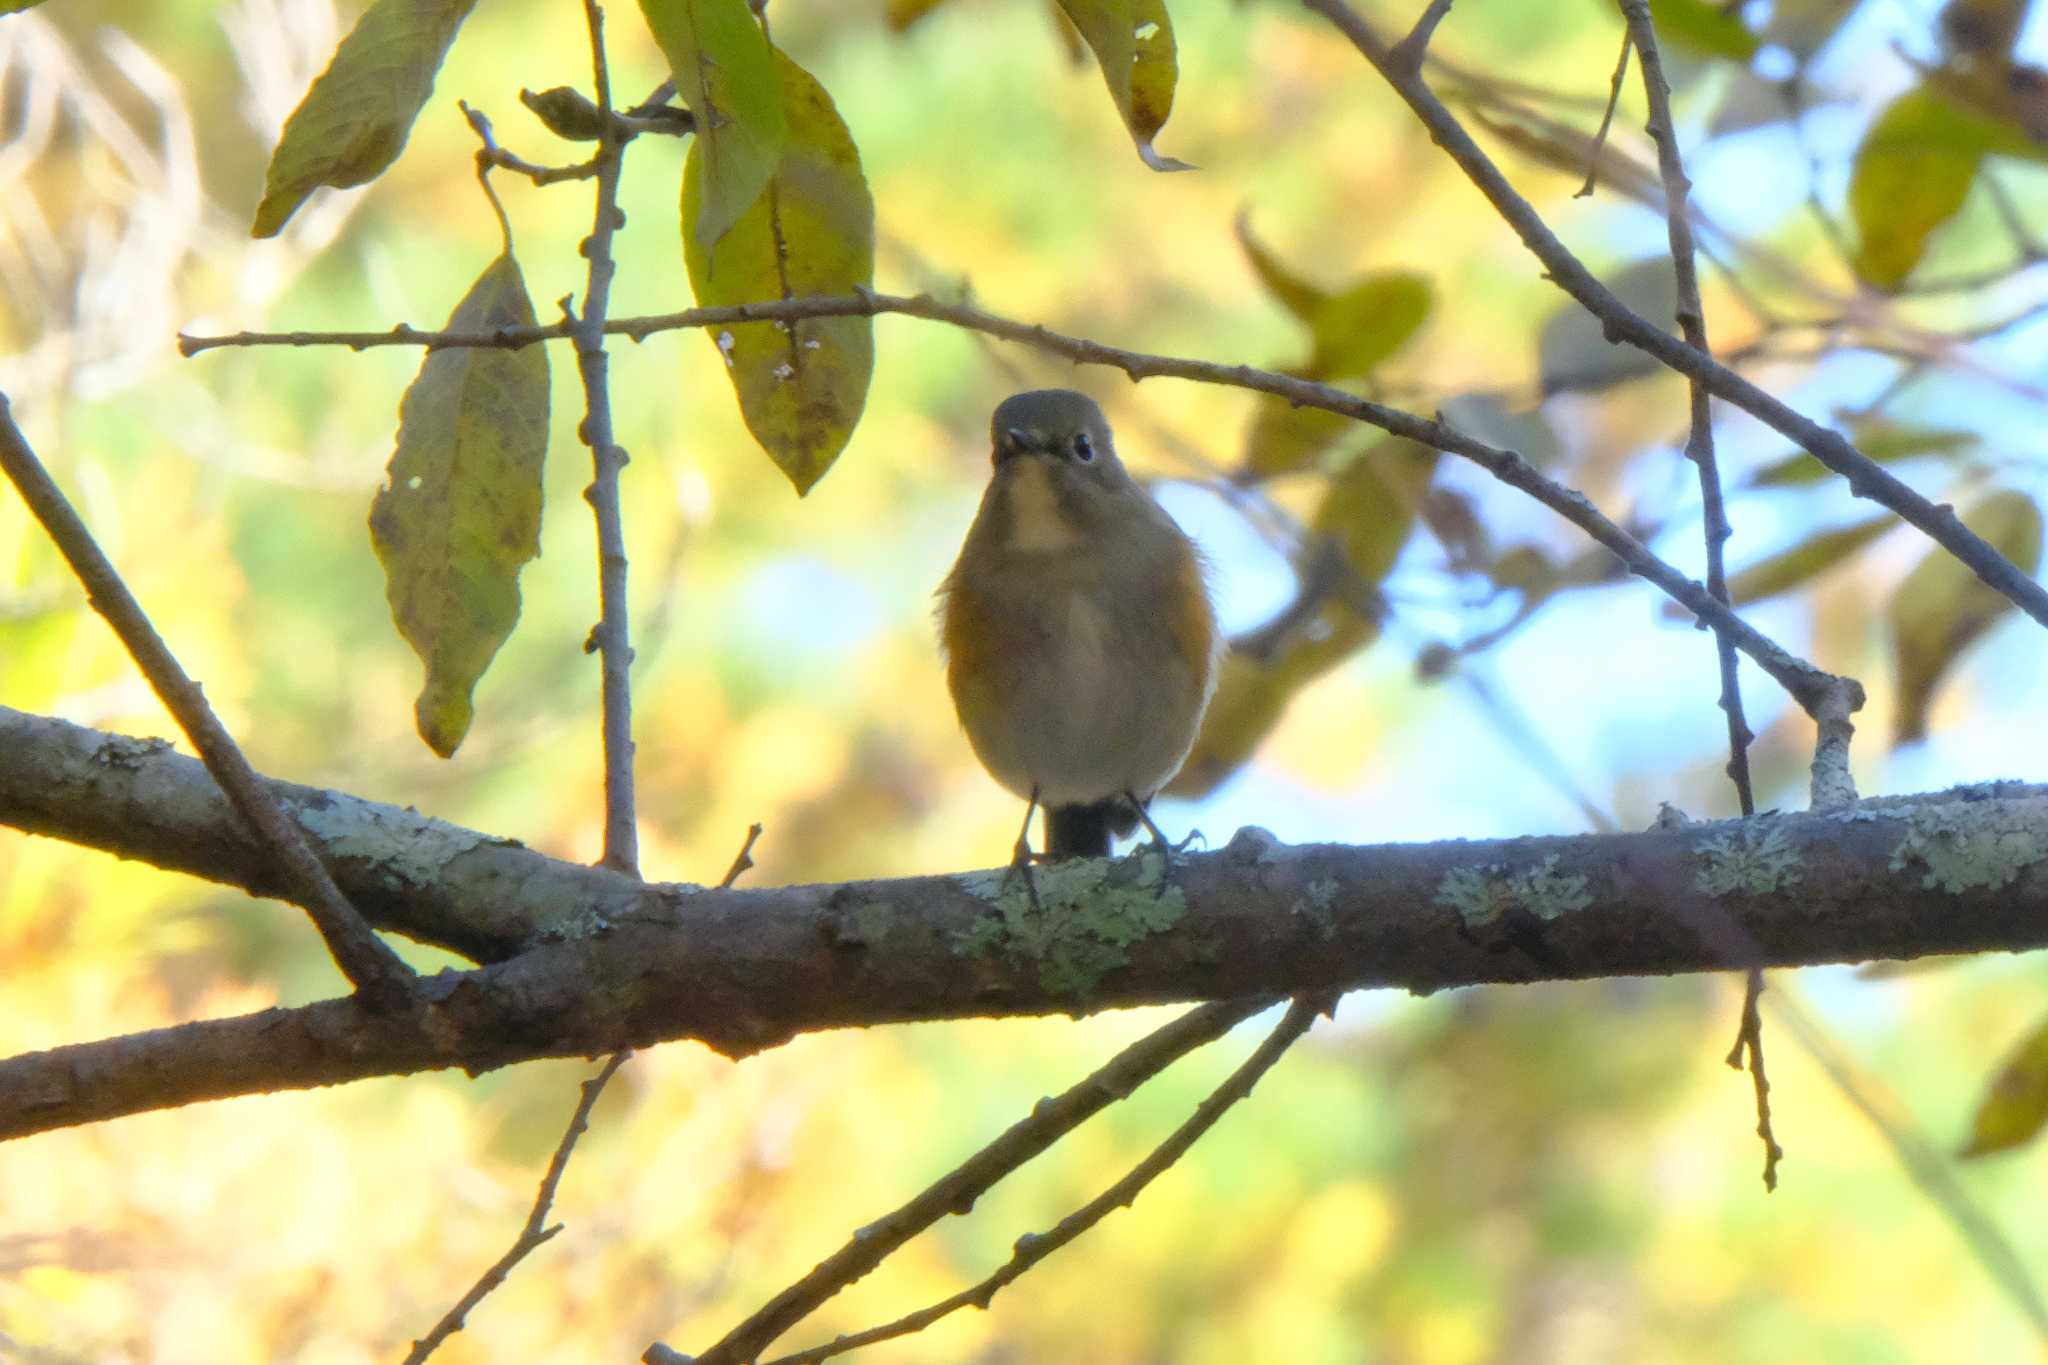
x,y
1084,449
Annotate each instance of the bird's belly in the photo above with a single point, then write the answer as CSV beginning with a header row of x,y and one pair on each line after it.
x,y
1104,706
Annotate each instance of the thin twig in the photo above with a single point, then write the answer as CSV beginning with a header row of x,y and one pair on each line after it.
x,y
744,859
1807,684
1699,448
1034,1247
1749,1048
365,959
1606,120
535,1232
611,638
1692,322
1411,49
1867,478
1049,1120
491,154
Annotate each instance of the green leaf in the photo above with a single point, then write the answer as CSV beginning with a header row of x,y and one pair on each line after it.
x,y
354,121
801,385
460,509
1295,293
1284,439
1702,27
17,6
1942,606
727,74
1884,442
1787,569
1911,175
1133,43
2016,1105
1367,322
1574,353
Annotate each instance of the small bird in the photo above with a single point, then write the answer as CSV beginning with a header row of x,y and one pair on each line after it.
x,y
1080,641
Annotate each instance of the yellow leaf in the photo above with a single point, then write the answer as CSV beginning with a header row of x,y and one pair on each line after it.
x,y
459,512
1133,43
2016,1104
801,385
726,73
355,119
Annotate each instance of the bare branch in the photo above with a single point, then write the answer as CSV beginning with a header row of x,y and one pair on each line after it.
x,y
956,1191
1749,1043
1806,683
1411,49
368,963
1035,1247
744,859
1867,478
611,638
536,1230
1692,322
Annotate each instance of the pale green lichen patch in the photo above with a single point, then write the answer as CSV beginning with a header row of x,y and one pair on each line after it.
x,y
1753,859
1481,895
1314,905
415,851
1088,914
1970,845
873,920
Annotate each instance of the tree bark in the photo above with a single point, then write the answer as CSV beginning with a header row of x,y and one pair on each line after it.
x,y
583,961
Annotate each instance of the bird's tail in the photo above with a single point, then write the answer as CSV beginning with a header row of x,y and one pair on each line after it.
x,y
1085,831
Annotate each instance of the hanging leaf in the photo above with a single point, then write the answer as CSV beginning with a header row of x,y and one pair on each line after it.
x,y
726,74
459,512
1942,606
2016,1105
1911,175
354,121
1811,557
1884,442
1296,294
1574,353
1702,27
801,385
1133,43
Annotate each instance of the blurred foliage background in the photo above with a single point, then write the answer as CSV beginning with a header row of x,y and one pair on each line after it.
x,y
1554,1174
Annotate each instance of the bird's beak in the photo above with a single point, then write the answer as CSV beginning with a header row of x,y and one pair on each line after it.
x,y
1010,443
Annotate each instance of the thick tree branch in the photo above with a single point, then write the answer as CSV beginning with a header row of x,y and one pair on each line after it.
x,y
627,965
1867,478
